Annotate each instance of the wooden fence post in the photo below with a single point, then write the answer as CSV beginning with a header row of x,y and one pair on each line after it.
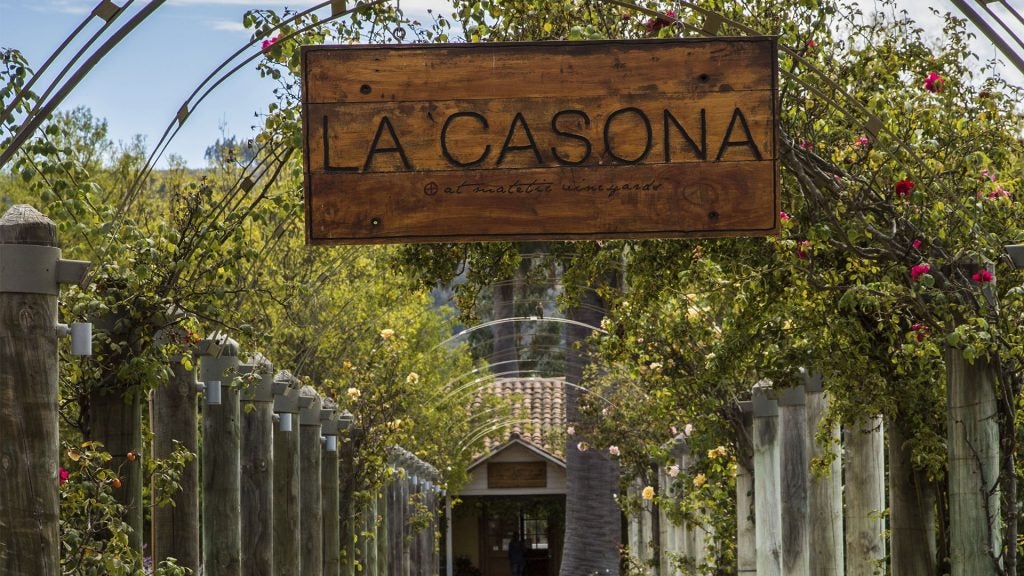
x,y
286,476
794,478
405,487
394,531
30,269
175,421
767,478
311,524
975,529
666,544
825,505
381,538
349,511
114,409
257,467
222,536
865,497
746,538
329,427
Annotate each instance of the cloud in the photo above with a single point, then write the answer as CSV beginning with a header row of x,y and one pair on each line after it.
x,y
247,3
64,7
419,5
226,25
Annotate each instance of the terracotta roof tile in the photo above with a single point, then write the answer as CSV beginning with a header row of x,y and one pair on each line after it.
x,y
541,400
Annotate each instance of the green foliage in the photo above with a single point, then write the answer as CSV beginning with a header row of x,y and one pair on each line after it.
x,y
94,538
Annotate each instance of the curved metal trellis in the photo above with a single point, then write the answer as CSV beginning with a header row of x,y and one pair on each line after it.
x,y
998,28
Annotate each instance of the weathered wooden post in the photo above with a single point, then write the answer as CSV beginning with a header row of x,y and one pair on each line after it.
x,y
175,421
329,426
368,548
825,506
393,525
381,538
222,536
432,559
865,497
115,420
286,476
746,538
974,501
311,506
405,492
913,547
257,466
767,482
30,270
349,508
794,478
418,548
666,533
434,505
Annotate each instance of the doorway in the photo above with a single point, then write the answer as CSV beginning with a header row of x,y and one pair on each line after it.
x,y
540,523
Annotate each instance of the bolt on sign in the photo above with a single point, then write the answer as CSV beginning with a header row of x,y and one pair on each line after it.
x,y
547,140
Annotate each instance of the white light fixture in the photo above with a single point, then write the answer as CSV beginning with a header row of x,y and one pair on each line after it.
x,y
81,338
286,422
213,393
332,443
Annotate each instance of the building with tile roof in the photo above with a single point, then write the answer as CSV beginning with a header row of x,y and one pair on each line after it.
x,y
517,485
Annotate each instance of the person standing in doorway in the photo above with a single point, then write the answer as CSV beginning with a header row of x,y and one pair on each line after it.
x,y
517,555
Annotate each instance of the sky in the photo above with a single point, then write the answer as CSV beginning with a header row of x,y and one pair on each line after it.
x,y
140,85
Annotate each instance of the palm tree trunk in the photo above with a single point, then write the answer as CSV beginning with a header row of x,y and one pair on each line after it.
x,y
592,517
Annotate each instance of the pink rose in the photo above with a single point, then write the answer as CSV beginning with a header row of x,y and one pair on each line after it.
x,y
982,276
919,270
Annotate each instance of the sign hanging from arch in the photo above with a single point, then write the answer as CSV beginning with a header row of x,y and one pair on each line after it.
x,y
549,140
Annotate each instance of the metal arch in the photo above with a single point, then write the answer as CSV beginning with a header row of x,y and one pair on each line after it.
x,y
872,126
26,89
1008,42
481,432
189,106
517,319
713,20
44,111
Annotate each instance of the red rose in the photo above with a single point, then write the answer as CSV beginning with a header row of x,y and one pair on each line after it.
x,y
903,188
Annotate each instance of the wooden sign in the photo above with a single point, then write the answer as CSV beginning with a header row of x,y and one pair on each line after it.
x,y
548,140
517,475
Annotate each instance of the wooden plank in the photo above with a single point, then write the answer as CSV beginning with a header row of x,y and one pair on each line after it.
x,y
661,129
826,493
746,540
794,479
538,141
865,496
586,203
603,68
767,484
974,500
